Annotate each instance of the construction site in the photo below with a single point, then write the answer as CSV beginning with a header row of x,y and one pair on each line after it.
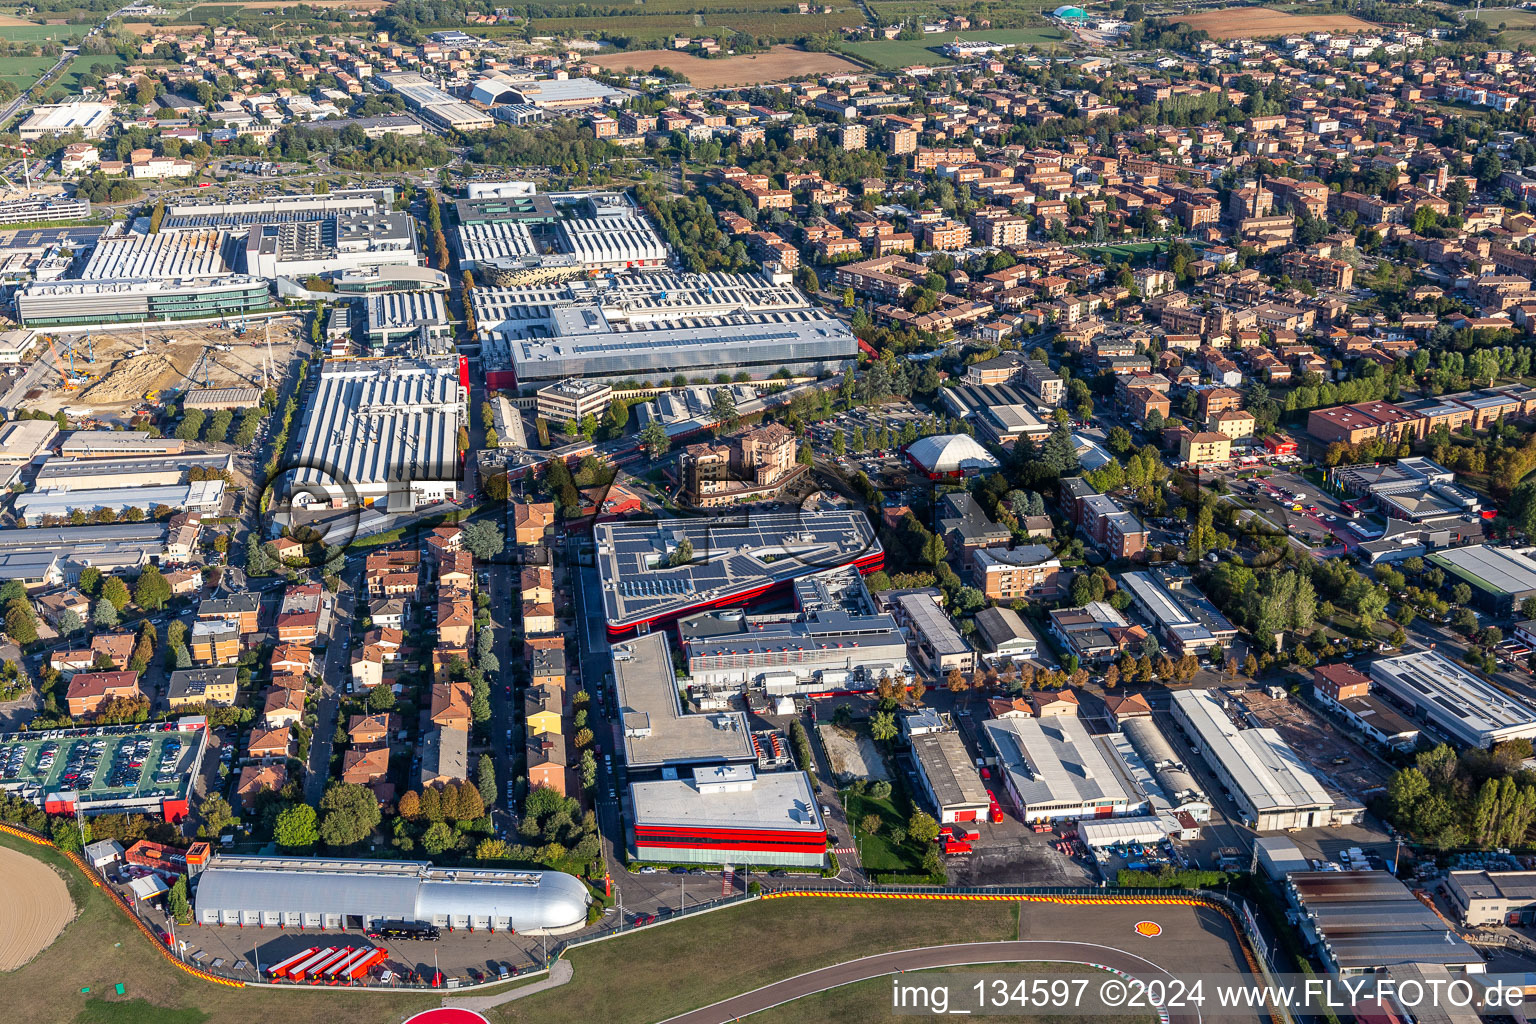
x,y
114,375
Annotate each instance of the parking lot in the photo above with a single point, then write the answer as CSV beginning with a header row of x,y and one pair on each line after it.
x,y
111,763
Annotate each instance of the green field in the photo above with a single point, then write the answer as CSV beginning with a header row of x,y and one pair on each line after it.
x,y
898,53
23,71
648,27
69,80
42,33
636,978
871,1000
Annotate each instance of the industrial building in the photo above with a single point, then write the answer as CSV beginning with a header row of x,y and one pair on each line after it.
x,y
948,777
420,316
1185,618
24,211
113,444
950,456
1465,708
1500,578
382,433
1054,770
1003,413
173,755
55,556
544,93
530,239
659,736
1347,691
572,400
929,630
349,241
195,213
1414,489
206,496
654,327
1367,922
1492,898
735,559
183,255
435,106
1180,793
91,120
335,894
729,814
835,642
1273,790
21,441
140,300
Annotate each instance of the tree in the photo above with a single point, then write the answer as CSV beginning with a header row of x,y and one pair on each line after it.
x,y
588,769
1461,593
20,622
483,539
152,591
882,726
104,613
116,591
682,554
90,581
870,824
437,838
216,813
492,849
176,901
921,828
296,828
722,406
653,438
70,622
485,778
351,813
381,698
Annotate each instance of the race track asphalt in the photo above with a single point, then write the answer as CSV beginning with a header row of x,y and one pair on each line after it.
x,y
958,955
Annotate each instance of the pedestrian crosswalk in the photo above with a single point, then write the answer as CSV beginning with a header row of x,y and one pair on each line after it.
x,y
843,849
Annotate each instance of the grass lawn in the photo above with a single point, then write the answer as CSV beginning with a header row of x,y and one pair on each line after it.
x,y
43,33
23,71
877,852
83,65
662,971
896,53
871,1000
101,948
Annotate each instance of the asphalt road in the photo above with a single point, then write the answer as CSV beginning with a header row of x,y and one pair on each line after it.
x,y
925,958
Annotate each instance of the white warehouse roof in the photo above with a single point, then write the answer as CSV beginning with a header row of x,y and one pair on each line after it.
x,y
415,891
1267,770
951,453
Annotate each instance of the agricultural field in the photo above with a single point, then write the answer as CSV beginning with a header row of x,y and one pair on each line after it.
x,y
780,64
1261,22
898,53
104,63
31,32
664,24
1519,26
23,71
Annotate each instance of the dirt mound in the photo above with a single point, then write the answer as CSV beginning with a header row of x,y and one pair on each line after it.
x,y
37,907
130,378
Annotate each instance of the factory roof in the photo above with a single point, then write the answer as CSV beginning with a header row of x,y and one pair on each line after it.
x,y
381,423
732,797
1503,885
928,617
1494,570
1269,773
1055,761
734,557
657,732
1180,609
394,890
173,254
59,471
947,767
202,495
1368,920
1470,709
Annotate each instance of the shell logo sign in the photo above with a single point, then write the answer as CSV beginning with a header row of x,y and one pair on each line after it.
x,y
1148,929
448,1015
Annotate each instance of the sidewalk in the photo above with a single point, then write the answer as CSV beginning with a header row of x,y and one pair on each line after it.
x,y
559,974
